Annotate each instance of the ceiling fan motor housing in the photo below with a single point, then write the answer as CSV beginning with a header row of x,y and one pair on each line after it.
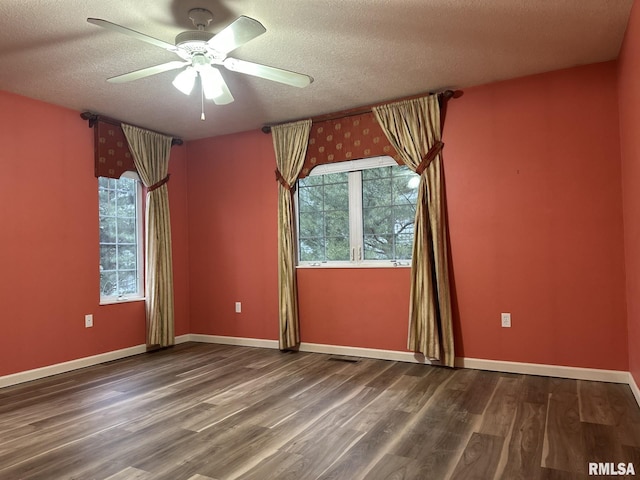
x,y
193,41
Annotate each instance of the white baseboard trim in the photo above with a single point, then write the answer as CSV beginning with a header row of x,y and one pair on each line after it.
x,y
238,341
577,373
634,388
365,353
183,339
63,367
614,376
37,373
314,348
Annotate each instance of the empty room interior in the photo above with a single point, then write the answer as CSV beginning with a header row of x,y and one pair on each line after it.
x,y
441,280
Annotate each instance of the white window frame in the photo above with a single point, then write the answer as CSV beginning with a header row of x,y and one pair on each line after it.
x,y
355,222
140,294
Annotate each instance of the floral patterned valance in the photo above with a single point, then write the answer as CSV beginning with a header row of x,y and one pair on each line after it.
x,y
112,155
346,138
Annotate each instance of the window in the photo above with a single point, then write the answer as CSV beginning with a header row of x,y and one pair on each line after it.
x,y
120,205
360,212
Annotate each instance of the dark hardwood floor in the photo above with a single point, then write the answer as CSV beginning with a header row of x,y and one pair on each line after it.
x,y
201,411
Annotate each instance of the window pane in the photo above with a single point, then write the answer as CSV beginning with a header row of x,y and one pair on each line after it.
x,y
127,283
311,225
108,283
378,247
377,220
107,229
337,248
127,257
405,189
389,197
337,224
323,218
126,204
311,180
107,202
118,209
386,218
374,173
336,196
312,249
335,178
107,257
376,192
126,230
310,199
403,219
404,247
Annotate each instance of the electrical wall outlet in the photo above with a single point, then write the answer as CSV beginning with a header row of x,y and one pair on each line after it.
x,y
238,307
88,321
506,320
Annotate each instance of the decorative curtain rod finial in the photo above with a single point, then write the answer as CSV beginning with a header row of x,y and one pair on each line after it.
x,y
452,94
92,118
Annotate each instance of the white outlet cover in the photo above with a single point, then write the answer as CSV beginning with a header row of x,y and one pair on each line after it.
x,y
238,307
88,321
506,320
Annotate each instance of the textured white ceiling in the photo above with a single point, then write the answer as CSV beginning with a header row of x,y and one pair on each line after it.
x,y
358,51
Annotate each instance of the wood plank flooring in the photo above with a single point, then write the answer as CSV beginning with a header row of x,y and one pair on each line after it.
x,y
203,412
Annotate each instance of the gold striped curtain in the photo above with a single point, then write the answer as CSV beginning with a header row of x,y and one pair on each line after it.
x,y
413,128
290,144
151,152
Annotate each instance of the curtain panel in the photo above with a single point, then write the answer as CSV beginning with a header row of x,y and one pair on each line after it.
x,y
413,127
151,152
290,144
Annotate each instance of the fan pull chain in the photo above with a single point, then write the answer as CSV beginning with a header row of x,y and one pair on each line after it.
x,y
201,98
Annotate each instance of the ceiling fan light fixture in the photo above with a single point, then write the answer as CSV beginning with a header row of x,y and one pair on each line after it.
x,y
211,85
185,80
201,51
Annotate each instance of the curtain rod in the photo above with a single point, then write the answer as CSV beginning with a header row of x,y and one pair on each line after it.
x,y
446,95
92,118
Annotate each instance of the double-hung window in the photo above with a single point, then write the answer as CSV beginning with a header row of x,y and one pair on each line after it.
x,y
120,207
357,213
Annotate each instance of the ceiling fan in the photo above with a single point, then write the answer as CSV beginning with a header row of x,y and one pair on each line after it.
x,y
201,51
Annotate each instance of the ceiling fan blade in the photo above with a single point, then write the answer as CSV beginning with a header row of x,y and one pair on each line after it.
x,y
147,72
132,33
238,33
270,73
214,86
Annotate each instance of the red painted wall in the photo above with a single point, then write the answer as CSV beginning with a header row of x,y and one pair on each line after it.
x,y
49,254
629,102
233,205
533,183
356,307
178,204
535,205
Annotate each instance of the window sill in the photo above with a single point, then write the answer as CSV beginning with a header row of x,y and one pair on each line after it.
x,y
354,265
113,301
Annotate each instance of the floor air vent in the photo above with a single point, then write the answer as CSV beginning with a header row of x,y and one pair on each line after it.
x,y
335,358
